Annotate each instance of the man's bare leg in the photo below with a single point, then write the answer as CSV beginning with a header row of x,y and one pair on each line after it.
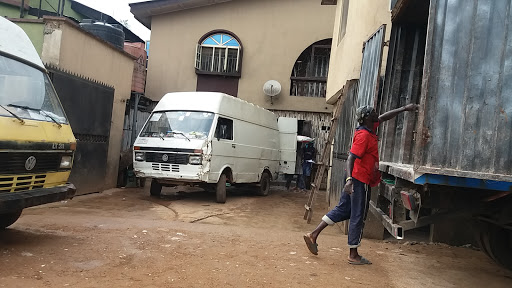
x,y
314,235
353,255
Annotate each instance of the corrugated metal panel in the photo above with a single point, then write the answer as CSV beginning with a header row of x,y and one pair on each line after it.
x,y
404,72
142,116
370,69
347,122
343,141
467,118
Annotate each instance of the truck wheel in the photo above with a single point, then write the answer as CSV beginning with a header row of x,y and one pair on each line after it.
x,y
156,188
264,187
482,238
7,219
500,245
495,242
220,191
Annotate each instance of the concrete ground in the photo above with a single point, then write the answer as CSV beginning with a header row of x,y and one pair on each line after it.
x,y
124,238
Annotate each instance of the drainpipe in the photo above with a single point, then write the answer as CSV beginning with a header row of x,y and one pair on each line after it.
x,y
58,9
22,8
134,123
62,10
39,11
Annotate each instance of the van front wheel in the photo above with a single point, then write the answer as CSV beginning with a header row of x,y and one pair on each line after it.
x,y
264,187
221,189
7,219
156,188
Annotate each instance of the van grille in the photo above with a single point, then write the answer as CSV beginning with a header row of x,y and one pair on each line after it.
x,y
21,183
172,158
166,167
14,162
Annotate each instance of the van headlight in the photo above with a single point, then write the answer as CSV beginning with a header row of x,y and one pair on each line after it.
x,y
139,156
66,162
195,160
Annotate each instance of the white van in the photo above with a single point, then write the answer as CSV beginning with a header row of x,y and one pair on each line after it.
x,y
209,139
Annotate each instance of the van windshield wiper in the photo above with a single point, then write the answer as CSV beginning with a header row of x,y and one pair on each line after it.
x,y
12,113
183,134
38,110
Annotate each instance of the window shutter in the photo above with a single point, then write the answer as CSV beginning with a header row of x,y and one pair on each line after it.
x,y
237,58
226,60
198,57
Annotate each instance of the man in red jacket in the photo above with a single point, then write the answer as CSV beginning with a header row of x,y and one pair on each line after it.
x,y
363,173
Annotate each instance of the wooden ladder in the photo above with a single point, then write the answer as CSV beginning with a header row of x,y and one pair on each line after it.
x,y
324,164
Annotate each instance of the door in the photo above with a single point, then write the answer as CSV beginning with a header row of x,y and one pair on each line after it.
x,y
287,144
223,148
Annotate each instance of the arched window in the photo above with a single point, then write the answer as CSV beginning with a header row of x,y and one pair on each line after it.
x,y
309,74
219,53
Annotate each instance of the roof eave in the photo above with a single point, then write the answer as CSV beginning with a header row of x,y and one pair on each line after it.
x,y
144,11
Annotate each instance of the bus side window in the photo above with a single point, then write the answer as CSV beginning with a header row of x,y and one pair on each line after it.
x,y
224,129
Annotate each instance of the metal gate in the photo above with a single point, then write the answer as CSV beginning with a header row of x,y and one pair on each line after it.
x,y
134,119
357,93
88,106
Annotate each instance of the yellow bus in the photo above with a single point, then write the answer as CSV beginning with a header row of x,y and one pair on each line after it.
x,y
36,141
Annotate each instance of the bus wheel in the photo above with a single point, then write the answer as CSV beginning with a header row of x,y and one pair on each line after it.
x,y
220,191
7,219
156,188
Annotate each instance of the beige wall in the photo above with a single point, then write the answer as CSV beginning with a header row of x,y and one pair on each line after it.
x,y
70,48
273,35
364,18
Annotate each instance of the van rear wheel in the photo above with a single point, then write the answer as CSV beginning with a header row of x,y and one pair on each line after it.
x,y
264,187
156,188
7,219
220,190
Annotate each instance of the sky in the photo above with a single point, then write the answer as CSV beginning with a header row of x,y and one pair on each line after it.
x,y
120,10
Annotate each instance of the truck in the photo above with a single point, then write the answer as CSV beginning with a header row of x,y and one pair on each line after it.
x,y
36,141
211,140
448,168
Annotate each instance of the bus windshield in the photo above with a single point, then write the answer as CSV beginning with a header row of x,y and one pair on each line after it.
x,y
27,92
184,124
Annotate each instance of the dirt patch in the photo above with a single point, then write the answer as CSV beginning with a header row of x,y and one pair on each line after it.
x,y
124,238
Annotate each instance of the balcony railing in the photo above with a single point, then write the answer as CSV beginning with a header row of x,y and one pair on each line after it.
x,y
309,86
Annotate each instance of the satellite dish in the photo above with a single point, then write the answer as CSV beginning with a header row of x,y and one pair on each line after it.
x,y
272,88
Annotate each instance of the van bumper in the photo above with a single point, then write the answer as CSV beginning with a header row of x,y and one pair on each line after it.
x,y
179,173
15,201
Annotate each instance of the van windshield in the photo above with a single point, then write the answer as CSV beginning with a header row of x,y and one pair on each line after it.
x,y
27,93
184,124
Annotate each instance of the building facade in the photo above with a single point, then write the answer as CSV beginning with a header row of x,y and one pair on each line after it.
x,y
355,22
237,46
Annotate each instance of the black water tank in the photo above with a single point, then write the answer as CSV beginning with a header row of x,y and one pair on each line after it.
x,y
112,33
